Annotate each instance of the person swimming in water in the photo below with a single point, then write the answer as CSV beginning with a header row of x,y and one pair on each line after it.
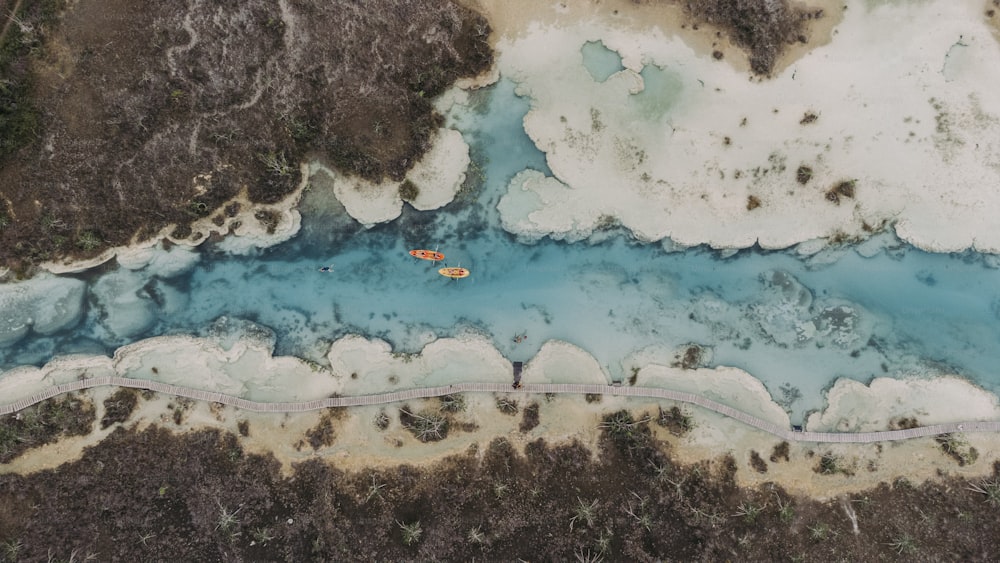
x,y
326,268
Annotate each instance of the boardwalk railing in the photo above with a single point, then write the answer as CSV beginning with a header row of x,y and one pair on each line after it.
x,y
572,388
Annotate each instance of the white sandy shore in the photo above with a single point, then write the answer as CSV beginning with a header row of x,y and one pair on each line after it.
x,y
727,385
891,84
246,367
853,406
438,176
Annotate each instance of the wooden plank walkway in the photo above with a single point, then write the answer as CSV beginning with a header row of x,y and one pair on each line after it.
x,y
572,388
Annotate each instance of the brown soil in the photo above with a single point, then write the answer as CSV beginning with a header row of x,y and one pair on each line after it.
x,y
131,101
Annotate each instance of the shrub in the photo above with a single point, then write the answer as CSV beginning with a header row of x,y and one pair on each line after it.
x,y
529,419
507,405
428,426
408,191
453,403
676,420
88,240
118,407
411,532
803,174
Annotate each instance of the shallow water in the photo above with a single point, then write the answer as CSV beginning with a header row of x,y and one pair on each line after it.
x,y
900,312
600,61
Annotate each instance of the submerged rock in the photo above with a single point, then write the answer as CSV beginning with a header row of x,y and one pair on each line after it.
x,y
45,304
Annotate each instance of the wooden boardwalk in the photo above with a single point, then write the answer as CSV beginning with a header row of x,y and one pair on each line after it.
x,y
399,396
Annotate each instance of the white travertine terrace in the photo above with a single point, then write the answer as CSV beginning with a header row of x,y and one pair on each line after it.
x,y
853,406
905,105
438,176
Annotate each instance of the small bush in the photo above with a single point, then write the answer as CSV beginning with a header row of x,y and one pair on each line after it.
x,y
426,426
780,451
758,464
88,241
411,532
529,419
322,434
382,420
453,403
677,421
507,405
408,191
803,174
842,189
119,406
830,464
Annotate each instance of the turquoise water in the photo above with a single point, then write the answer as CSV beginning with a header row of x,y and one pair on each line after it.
x,y
910,312
600,61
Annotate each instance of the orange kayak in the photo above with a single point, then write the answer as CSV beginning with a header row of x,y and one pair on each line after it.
x,y
454,273
431,255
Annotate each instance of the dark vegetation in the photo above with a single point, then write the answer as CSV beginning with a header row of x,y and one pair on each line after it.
x,y
675,420
71,415
780,452
408,191
109,110
957,448
529,418
507,405
903,423
803,174
763,28
757,463
20,34
323,434
692,356
199,496
831,464
427,425
119,406
844,188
